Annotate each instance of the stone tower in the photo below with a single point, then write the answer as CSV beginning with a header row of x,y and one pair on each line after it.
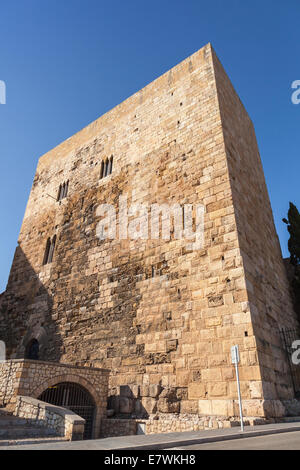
x,y
162,317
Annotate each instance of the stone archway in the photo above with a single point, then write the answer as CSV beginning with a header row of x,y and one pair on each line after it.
x,y
30,378
77,379
93,422
76,398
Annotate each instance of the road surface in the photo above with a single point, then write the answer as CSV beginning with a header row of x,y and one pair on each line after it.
x,y
284,441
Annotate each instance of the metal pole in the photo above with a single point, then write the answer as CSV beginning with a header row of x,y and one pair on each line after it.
x,y
239,395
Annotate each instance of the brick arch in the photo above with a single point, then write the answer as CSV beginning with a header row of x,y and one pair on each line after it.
x,y
66,378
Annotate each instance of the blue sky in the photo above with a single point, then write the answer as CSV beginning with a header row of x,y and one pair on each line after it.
x,y
65,63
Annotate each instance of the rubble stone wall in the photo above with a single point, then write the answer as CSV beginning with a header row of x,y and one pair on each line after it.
x,y
61,421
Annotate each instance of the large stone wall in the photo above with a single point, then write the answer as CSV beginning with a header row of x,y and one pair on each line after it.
x,y
265,278
158,315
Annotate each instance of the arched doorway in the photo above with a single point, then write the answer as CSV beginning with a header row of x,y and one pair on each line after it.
x,y
33,350
74,397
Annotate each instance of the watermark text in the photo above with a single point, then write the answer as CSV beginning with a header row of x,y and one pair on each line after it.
x,y
2,92
2,351
151,222
296,94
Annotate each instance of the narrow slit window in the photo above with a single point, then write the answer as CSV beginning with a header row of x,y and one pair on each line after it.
x,y
59,192
106,167
110,164
66,188
63,190
51,251
47,249
102,170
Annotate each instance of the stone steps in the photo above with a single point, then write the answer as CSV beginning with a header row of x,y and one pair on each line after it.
x,y
9,421
25,431
20,442
14,428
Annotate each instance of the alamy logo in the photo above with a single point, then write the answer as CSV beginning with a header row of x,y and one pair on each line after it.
x,y
296,95
2,92
296,354
2,351
151,222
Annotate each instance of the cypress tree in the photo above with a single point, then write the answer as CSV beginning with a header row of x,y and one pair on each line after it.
x,y
293,226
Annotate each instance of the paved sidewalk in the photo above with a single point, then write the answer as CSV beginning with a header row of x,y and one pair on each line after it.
x,y
162,441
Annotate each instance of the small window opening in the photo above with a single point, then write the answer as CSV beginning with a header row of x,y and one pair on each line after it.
x,y
63,190
49,250
102,170
106,167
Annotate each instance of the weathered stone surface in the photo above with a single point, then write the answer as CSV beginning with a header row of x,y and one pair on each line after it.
x,y
125,391
168,402
196,390
149,405
144,390
189,406
171,345
126,405
153,310
166,406
154,390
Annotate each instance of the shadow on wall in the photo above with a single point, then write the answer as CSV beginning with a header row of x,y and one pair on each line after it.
x,y
126,402
141,401
26,323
